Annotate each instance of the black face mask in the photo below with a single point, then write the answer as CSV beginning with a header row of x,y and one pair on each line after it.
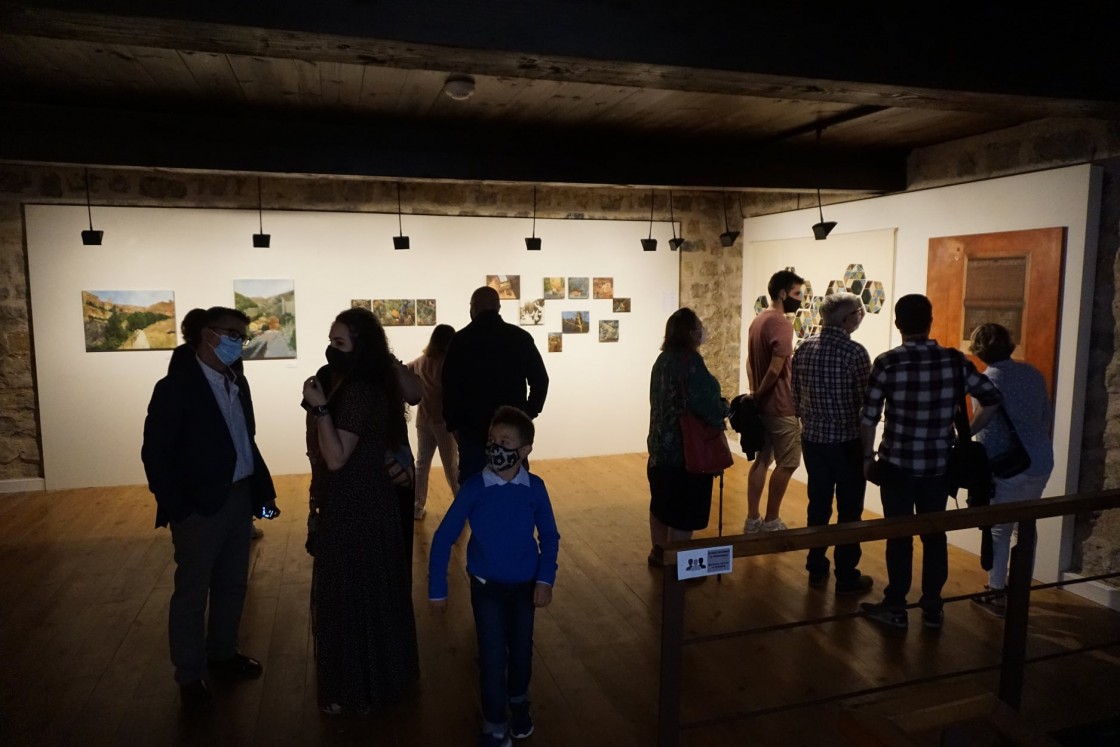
x,y
790,305
337,359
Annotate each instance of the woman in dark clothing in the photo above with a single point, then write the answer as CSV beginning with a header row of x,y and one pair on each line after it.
x,y
361,601
680,501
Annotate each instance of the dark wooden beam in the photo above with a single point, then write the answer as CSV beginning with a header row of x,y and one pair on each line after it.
x,y
427,150
1036,64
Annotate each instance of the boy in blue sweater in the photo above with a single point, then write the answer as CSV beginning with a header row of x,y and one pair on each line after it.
x,y
511,570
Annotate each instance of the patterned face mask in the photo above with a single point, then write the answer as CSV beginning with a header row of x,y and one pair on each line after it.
x,y
501,458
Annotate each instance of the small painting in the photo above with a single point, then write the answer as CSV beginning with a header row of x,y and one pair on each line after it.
x,y
361,303
508,286
621,306
271,308
425,312
553,288
603,287
575,322
394,312
555,342
608,330
577,288
129,320
532,312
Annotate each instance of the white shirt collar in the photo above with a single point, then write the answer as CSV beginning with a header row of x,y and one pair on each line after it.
x,y
491,478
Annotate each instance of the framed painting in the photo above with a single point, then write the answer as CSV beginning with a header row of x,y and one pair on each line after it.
x,y
608,330
553,288
555,342
620,305
532,313
575,322
271,308
508,286
128,320
425,312
395,312
603,287
578,288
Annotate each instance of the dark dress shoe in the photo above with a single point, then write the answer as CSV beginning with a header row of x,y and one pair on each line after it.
x,y
195,695
859,585
238,666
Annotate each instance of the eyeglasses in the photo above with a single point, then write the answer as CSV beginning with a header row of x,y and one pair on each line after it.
x,y
234,334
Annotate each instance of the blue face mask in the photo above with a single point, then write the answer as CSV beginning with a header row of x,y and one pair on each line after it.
x,y
501,458
228,351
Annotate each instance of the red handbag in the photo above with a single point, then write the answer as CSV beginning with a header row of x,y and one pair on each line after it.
x,y
705,447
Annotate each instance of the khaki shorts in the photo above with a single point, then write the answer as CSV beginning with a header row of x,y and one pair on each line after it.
x,y
783,441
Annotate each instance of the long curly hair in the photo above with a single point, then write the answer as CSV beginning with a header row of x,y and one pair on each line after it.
x,y
372,360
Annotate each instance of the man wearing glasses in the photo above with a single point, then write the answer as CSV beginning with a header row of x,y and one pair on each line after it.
x,y
209,479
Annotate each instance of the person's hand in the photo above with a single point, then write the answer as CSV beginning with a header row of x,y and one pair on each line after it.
x,y
313,393
542,595
269,510
438,605
868,467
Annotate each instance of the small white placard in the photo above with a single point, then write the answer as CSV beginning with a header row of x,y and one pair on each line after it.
x,y
708,561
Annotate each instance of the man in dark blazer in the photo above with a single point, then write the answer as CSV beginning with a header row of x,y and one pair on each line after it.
x,y
487,365
209,480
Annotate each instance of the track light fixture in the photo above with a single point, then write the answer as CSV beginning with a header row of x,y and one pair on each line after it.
x,y
650,244
400,241
532,243
260,240
676,242
824,228
727,238
90,237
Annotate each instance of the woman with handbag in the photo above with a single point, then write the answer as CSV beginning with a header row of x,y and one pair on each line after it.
x,y
680,385
361,593
1017,441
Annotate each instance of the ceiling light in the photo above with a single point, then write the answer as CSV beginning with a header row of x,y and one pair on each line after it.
x,y
260,240
727,238
90,237
459,87
824,228
533,243
676,242
400,241
650,244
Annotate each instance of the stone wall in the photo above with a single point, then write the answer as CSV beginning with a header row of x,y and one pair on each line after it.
x,y
710,274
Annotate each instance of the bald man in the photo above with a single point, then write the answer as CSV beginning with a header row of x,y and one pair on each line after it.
x,y
489,363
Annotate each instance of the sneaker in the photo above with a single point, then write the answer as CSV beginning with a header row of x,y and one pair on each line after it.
x,y
418,513
494,740
933,619
520,720
752,526
861,585
238,666
994,603
884,615
774,525
195,695
257,531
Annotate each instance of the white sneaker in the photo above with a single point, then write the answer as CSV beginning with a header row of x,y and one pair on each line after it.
x,y
752,526
774,525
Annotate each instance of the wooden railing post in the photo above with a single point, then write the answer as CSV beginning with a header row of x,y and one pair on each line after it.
x,y
1015,624
672,654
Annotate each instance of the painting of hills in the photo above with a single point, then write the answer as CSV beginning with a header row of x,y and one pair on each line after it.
x,y
271,308
128,320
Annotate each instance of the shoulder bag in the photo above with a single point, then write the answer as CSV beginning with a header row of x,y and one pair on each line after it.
x,y
705,447
1016,459
968,460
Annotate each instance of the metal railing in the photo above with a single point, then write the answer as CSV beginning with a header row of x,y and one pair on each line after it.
x,y
1013,661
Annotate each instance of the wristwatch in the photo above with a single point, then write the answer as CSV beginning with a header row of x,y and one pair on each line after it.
x,y
320,410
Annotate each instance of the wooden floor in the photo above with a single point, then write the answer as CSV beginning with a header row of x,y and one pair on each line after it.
x,y
85,582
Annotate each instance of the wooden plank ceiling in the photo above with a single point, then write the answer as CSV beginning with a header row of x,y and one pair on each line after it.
x,y
348,89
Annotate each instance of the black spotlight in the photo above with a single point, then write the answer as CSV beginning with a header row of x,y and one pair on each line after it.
x,y
649,245
676,243
91,237
533,243
400,241
262,240
823,229
727,238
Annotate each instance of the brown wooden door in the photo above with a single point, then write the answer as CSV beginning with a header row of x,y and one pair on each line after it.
x,y
1013,278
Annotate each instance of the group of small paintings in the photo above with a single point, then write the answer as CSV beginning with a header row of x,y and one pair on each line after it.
x,y
558,288
399,312
554,288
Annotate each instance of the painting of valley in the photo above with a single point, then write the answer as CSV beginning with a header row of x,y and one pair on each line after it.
x,y
271,308
128,320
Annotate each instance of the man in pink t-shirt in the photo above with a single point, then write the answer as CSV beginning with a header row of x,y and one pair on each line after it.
x,y
769,350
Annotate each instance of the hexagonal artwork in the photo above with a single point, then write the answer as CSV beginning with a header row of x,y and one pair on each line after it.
x,y
853,274
874,296
857,287
801,323
806,293
834,287
815,309
761,304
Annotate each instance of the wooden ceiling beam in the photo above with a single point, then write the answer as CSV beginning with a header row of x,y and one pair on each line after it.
x,y
881,62
428,150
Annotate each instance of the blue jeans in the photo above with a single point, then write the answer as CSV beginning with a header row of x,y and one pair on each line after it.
x,y
835,467
1008,490
905,494
503,620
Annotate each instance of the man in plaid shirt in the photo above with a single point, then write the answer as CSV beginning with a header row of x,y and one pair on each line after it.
x,y
829,391
917,385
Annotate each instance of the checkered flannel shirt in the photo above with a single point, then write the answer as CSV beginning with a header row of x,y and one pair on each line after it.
x,y
916,388
830,386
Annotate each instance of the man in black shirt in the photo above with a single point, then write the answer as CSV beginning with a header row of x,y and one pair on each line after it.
x,y
489,363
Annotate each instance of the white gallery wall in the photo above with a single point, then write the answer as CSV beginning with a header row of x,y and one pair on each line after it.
x,y
92,405
1068,197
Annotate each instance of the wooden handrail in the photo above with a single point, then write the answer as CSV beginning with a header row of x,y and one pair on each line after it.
x,y
1018,588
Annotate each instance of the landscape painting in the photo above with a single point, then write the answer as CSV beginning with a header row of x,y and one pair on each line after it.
x,y
577,288
361,303
129,320
608,330
508,286
555,342
425,312
395,312
621,306
532,313
575,322
603,287
271,308
553,288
